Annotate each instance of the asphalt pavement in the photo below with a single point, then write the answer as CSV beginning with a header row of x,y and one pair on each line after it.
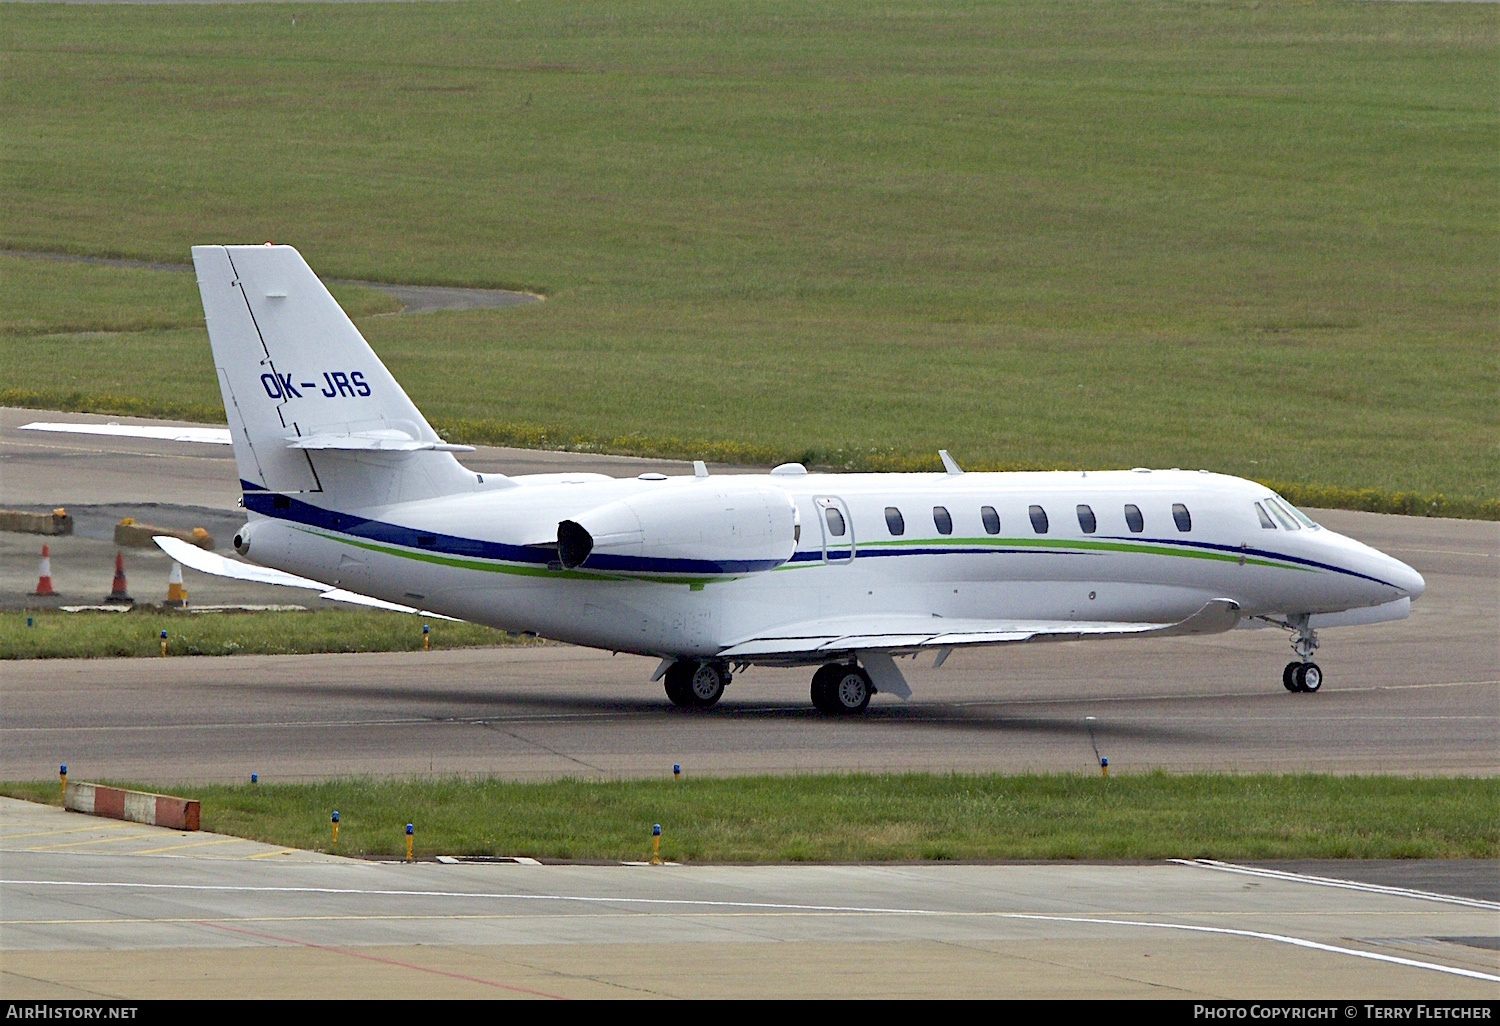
x,y
156,913
1418,696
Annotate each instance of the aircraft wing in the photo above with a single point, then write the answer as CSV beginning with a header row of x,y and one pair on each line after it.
x,y
913,633
205,435
218,566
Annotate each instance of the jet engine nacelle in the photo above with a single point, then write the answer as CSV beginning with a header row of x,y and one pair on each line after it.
x,y
703,526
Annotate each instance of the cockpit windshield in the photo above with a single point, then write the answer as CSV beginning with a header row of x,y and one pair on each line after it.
x,y
1284,511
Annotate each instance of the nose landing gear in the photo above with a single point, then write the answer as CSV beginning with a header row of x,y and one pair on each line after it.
x,y
1304,675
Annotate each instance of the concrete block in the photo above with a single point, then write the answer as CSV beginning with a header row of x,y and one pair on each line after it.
x,y
132,535
162,810
59,521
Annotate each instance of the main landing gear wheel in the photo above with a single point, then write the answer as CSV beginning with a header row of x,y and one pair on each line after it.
x,y
840,689
1305,677
694,685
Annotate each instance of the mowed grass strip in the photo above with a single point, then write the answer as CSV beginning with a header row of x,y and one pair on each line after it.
x,y
858,818
99,635
1251,238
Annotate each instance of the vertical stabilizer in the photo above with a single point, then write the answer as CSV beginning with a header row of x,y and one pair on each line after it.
x,y
311,408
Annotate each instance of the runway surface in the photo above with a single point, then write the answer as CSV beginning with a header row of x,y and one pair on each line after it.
x,y
194,916
1419,696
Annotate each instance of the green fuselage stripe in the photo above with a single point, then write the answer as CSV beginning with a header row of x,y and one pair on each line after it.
x,y
523,570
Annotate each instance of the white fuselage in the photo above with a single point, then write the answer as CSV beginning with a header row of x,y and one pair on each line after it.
x,y
491,555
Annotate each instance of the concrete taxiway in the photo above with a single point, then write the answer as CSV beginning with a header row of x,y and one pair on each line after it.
x,y
177,921
1419,696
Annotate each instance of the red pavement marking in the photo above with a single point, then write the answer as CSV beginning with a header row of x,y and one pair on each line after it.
x,y
383,961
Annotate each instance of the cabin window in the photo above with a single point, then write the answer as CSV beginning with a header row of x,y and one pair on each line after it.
x,y
991,519
427,540
1038,520
894,522
1265,521
1182,516
1133,518
1086,519
280,502
942,520
1281,515
835,521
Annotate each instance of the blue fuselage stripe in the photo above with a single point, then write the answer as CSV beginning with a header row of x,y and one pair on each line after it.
x,y
299,512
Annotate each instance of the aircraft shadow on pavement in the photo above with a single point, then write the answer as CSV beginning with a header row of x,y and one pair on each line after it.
x,y
485,706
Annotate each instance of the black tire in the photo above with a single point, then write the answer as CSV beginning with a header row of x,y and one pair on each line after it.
x,y
706,684
841,689
1310,677
1288,677
822,688
679,682
850,691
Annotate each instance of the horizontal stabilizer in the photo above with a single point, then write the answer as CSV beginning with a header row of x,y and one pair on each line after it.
x,y
216,565
374,441
212,563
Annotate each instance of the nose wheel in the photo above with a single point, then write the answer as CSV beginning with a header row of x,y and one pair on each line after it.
x,y
1307,677
1303,674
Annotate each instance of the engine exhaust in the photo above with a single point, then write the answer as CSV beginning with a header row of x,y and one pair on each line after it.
x,y
574,544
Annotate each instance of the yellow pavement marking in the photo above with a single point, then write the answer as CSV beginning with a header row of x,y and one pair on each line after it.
x,y
72,830
268,854
191,844
96,840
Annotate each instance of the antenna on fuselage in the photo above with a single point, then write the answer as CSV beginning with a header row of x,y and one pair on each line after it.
x,y
948,464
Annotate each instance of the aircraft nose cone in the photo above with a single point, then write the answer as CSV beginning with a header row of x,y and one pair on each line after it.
x,y
1408,580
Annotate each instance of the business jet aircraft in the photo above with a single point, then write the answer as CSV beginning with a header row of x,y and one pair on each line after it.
x,y
347,484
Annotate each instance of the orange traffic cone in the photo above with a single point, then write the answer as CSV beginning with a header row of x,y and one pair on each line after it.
x,y
176,595
117,594
44,574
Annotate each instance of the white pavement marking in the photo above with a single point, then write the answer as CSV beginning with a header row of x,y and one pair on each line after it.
x,y
208,436
1346,885
1276,938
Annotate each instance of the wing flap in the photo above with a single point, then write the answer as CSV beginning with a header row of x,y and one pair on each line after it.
x,y
916,633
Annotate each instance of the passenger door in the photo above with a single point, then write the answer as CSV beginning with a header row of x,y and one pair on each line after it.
x,y
838,529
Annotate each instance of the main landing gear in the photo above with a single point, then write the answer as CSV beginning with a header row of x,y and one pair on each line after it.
x,y
841,689
1304,674
694,685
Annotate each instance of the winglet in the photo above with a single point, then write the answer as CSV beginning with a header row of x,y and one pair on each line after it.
x,y
948,464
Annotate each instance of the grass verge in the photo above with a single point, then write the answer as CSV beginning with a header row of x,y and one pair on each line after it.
x,y
873,460
839,818
97,635
1251,238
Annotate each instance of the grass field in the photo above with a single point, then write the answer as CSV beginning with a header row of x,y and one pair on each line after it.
x,y
88,635
836,818
1253,237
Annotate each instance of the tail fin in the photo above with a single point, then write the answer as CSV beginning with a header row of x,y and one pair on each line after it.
x,y
311,408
